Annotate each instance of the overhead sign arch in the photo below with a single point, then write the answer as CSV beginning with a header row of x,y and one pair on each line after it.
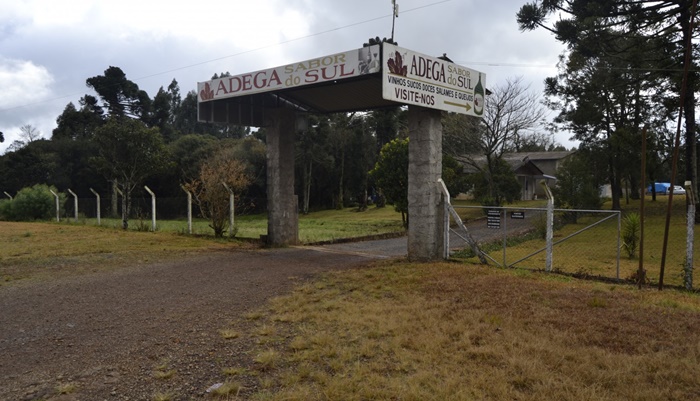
x,y
371,77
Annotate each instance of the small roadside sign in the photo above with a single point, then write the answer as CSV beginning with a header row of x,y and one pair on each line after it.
x,y
517,215
493,219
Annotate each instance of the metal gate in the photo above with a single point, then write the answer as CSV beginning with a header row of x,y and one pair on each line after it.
x,y
510,227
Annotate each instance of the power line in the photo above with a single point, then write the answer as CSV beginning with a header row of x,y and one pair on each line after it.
x,y
242,52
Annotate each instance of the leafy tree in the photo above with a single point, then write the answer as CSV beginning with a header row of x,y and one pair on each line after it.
x,y
80,124
189,152
605,110
536,142
210,193
386,124
578,182
35,163
363,155
161,115
461,134
455,180
128,153
310,154
390,173
338,144
185,121
495,185
253,154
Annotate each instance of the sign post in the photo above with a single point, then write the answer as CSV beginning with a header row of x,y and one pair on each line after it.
x,y
416,79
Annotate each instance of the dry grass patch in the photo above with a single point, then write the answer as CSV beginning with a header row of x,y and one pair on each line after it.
x,y
229,334
43,250
227,389
266,360
66,388
234,371
163,371
163,397
462,332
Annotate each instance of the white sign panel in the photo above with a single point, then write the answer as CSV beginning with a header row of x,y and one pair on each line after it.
x,y
323,69
414,78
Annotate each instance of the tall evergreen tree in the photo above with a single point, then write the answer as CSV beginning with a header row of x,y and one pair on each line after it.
x,y
121,97
650,38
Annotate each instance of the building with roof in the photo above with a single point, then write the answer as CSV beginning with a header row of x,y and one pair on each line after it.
x,y
530,169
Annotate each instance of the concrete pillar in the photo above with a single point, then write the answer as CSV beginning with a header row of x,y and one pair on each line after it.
x,y
425,211
282,207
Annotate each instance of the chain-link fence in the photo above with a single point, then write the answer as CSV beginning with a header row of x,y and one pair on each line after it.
x,y
589,243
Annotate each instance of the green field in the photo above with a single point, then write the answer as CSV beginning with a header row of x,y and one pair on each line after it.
x,y
314,227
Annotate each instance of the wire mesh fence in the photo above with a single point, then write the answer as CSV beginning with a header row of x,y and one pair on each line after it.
x,y
585,243
167,207
171,215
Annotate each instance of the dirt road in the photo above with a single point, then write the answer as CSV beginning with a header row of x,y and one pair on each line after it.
x,y
109,334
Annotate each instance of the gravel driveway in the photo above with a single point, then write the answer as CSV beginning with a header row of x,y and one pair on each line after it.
x,y
108,332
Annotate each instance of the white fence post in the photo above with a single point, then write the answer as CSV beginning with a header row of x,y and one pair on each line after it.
x,y
189,209
232,209
98,204
8,195
75,205
550,226
58,205
153,208
446,218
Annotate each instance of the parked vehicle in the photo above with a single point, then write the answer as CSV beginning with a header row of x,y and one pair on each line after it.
x,y
678,190
664,188
661,188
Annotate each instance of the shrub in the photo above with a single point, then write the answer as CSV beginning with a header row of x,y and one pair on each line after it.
x,y
630,233
31,203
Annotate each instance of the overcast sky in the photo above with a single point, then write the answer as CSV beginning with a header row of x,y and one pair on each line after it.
x,y
48,48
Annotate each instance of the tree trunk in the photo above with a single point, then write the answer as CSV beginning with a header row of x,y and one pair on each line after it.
x,y
307,186
126,205
115,199
614,182
340,181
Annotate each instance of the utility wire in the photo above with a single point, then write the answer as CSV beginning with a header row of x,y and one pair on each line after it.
x,y
242,52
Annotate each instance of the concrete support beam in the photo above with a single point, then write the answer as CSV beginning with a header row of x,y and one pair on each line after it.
x,y
425,211
282,207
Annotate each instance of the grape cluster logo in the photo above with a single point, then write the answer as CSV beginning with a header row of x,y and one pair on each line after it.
x,y
206,93
396,66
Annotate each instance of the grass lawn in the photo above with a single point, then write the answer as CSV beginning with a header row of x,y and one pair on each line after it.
x,y
400,330
325,225
594,252
446,331
45,250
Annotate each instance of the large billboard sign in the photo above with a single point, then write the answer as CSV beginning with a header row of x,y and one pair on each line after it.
x,y
323,69
414,78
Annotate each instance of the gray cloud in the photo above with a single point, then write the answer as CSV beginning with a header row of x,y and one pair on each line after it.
x,y
191,41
